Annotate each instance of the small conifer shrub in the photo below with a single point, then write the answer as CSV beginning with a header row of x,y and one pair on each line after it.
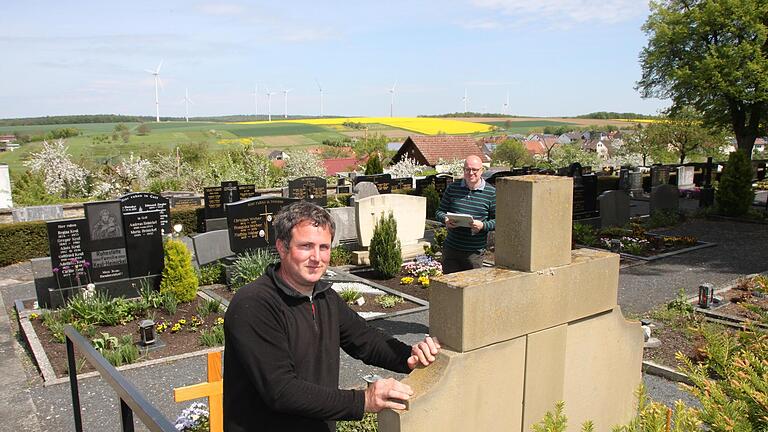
x,y
179,277
734,194
385,251
373,166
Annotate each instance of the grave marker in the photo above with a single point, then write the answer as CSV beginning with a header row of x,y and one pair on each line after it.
x,y
664,198
142,202
250,222
685,177
67,241
312,189
33,213
109,259
383,182
144,242
246,191
214,208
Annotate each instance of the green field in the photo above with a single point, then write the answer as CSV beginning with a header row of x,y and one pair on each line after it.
x,y
164,137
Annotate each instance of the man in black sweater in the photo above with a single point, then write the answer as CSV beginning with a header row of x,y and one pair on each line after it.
x,y
283,334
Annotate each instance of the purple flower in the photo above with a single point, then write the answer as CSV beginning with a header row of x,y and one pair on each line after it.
x,y
86,264
55,269
73,260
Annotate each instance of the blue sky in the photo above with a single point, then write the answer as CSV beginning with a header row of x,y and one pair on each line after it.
x,y
554,57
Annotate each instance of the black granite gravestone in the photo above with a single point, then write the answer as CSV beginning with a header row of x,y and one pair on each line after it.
x,y
312,189
441,183
247,191
144,242
214,208
106,241
659,175
229,193
141,202
185,201
383,182
403,184
250,222
67,240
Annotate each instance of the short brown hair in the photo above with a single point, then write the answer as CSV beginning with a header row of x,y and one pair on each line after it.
x,y
292,215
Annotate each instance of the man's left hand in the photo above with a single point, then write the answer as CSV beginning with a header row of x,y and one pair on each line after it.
x,y
477,226
424,352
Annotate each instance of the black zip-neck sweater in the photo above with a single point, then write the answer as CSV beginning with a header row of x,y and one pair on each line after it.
x,y
281,362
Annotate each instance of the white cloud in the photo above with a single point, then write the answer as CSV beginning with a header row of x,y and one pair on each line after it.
x,y
481,25
580,11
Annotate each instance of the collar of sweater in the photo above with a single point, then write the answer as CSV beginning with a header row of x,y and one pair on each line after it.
x,y
271,272
480,185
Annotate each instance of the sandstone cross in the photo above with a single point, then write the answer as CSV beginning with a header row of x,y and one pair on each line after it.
x,y
540,327
213,390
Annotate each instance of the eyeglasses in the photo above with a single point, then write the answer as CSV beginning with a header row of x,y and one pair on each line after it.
x,y
472,170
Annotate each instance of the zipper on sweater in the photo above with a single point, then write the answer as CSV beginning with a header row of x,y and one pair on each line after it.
x,y
314,319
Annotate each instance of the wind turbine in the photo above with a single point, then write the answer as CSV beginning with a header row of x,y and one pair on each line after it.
x,y
285,94
392,102
186,101
269,104
156,74
256,101
321,96
466,101
506,104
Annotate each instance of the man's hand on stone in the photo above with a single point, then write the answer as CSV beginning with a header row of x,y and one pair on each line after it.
x,y
386,393
424,352
477,226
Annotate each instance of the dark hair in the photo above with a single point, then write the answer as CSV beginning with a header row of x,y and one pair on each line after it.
x,y
292,215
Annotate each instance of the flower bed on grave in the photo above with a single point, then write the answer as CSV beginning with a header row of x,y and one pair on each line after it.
x,y
415,277
634,241
113,327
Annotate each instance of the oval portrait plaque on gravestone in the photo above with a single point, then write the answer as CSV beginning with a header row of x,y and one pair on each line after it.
x,y
250,222
109,259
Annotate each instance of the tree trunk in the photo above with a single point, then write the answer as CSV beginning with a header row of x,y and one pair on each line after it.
x,y
682,158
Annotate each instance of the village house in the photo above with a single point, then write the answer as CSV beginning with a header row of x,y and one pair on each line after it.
x,y
429,150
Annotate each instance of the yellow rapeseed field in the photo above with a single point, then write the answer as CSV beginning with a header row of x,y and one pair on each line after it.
x,y
426,126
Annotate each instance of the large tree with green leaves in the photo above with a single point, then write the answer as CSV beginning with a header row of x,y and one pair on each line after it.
x,y
511,152
712,55
684,134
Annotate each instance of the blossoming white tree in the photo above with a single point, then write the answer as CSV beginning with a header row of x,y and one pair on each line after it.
x,y
406,167
130,174
303,164
62,176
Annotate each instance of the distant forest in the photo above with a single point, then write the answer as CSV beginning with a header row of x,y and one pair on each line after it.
x,y
609,115
467,114
114,118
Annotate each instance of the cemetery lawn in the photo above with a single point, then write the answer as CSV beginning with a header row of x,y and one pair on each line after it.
x,y
186,340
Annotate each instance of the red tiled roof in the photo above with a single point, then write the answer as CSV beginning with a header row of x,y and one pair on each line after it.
x,y
333,166
446,147
535,147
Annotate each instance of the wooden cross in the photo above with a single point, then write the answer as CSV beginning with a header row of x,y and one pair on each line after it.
x,y
213,390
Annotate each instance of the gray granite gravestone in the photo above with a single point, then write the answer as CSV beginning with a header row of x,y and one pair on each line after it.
x,y
346,227
664,198
364,190
211,246
614,208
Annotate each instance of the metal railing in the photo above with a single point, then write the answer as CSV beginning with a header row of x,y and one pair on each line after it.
x,y
131,400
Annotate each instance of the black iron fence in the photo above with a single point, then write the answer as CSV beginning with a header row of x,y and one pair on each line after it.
x,y
131,400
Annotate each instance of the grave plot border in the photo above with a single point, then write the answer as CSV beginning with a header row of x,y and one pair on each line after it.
x,y
699,245
672,373
714,316
40,357
349,277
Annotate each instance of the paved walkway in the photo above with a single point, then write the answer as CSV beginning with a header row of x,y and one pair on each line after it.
x,y
28,405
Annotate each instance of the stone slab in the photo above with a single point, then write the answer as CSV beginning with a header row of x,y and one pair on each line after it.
x,y
544,361
409,212
536,234
34,213
614,208
211,246
665,197
215,224
346,225
483,306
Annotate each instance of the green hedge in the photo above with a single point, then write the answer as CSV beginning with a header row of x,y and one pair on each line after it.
x,y
21,241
